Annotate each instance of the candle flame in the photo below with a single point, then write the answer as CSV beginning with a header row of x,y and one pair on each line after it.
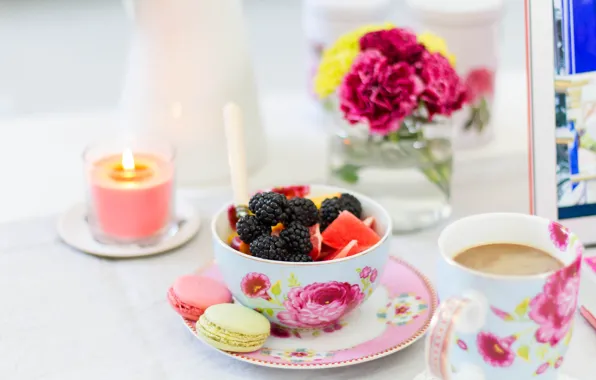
x,y
128,160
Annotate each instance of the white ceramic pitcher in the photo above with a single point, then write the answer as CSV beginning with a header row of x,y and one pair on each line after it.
x,y
187,59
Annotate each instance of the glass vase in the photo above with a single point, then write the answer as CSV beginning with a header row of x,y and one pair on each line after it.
x,y
408,171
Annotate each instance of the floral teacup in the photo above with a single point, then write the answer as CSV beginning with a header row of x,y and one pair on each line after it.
x,y
494,327
311,295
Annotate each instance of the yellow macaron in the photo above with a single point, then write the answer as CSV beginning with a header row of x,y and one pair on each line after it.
x,y
233,327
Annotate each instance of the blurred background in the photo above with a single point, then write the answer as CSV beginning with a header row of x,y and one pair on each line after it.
x,y
63,64
70,55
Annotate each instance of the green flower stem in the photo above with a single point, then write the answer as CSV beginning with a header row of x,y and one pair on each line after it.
x,y
432,172
275,301
409,133
348,173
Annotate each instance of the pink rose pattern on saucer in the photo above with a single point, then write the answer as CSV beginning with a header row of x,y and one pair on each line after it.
x,y
547,318
314,306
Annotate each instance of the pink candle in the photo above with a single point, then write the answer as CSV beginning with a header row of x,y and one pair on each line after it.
x,y
131,195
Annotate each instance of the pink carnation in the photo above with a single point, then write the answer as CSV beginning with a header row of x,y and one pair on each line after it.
x,y
397,45
379,93
319,305
444,91
479,83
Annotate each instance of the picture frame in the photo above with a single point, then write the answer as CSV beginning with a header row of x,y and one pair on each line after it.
x,y
561,84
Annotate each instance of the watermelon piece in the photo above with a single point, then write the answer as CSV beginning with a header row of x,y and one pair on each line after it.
x,y
369,222
349,250
326,251
296,191
232,217
347,227
317,242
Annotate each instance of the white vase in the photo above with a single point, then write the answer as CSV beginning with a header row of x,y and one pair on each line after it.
x,y
187,59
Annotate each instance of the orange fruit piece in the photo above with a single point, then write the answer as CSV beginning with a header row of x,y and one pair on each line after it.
x,y
275,230
319,200
244,248
231,237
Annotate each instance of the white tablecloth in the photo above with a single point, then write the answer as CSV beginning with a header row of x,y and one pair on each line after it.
x,y
66,315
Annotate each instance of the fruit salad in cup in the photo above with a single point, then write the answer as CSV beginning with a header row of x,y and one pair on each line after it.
x,y
286,224
305,256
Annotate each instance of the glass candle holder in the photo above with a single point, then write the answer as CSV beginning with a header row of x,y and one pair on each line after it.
x,y
130,191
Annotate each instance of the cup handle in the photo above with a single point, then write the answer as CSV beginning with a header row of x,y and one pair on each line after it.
x,y
465,313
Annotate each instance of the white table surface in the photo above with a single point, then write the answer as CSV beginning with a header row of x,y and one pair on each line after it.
x,y
66,315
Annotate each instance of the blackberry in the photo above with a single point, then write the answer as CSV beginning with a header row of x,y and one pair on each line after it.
x,y
296,238
330,209
303,211
297,258
249,228
351,204
271,208
269,248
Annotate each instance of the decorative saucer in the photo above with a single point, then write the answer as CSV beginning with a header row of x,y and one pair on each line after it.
x,y
396,315
425,376
74,231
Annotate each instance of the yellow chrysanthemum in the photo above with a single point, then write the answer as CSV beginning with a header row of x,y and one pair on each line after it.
x,y
436,44
338,58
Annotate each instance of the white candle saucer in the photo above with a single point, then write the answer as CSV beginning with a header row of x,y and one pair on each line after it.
x,y
74,231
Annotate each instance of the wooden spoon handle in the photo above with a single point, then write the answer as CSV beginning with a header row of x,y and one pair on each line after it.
x,y
232,115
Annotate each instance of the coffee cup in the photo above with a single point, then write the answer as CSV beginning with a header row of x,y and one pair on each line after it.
x,y
494,326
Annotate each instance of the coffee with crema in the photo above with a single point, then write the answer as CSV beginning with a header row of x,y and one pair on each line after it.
x,y
508,259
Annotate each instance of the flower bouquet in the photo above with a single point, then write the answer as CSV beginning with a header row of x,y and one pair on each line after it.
x,y
391,90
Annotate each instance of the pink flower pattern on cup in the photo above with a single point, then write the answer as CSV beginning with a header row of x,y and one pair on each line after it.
x,y
558,235
494,350
542,368
314,306
539,328
365,272
553,309
255,285
461,344
373,276
591,261
318,305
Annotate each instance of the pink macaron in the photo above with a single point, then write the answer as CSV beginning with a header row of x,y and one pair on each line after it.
x,y
192,294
